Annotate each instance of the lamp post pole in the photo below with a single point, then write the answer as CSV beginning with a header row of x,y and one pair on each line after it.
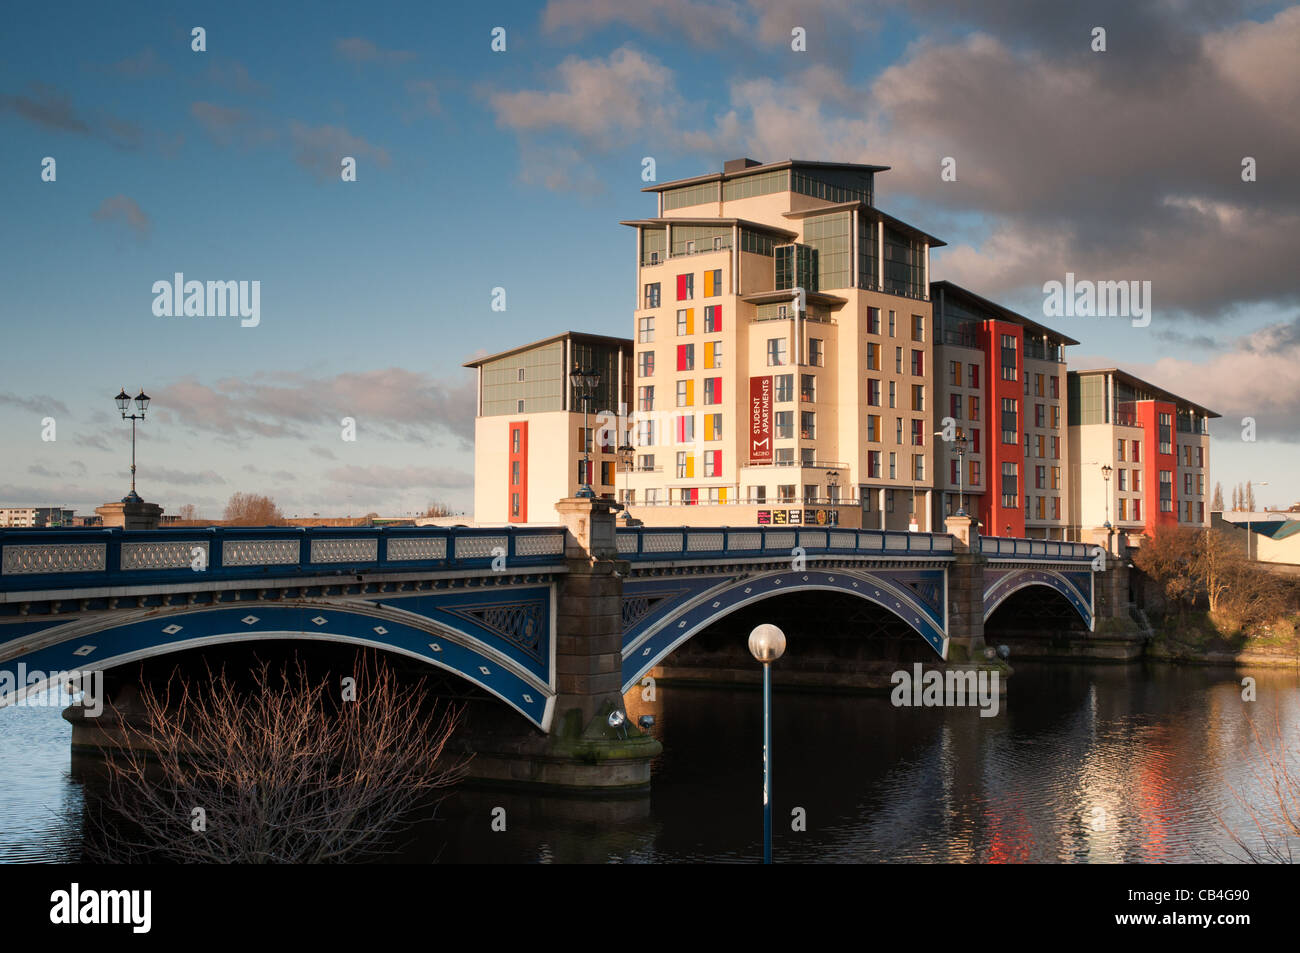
x,y
767,644
585,383
1105,476
142,402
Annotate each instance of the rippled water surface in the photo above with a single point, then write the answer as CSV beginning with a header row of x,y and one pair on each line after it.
x,y
1085,763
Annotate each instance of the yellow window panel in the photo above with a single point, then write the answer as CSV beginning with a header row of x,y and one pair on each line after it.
x,y
690,320
708,427
690,465
690,393
708,284
708,355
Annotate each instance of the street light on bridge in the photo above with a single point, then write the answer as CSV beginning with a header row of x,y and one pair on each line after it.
x,y
585,381
123,402
767,644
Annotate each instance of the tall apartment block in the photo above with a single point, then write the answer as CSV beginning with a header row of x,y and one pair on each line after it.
x,y
1001,378
529,431
784,357
1157,445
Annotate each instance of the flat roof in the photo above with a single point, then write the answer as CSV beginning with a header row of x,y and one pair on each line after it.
x,y
579,335
705,220
1136,381
1013,316
766,167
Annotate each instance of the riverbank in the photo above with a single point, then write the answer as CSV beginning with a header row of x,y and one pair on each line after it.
x,y
1197,639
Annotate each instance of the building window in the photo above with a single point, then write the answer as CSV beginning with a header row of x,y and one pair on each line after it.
x,y
1137,451
873,465
713,390
873,357
607,473
918,466
974,375
713,426
1040,477
652,295
784,456
918,397
784,388
514,506
1056,448
1010,486
873,428
1040,413
1038,385
514,439
784,424
918,327
898,430
684,465
954,373
816,357
584,439
685,393
785,493
1166,491
1137,481
808,388
712,355
645,364
776,352
712,463
873,320
519,409
1009,424
758,494
645,329
645,398
893,393
1119,450
918,433
873,392
686,357
975,440
954,406
713,281
889,498
974,472
1056,417
514,472
686,428
893,468
974,408
808,425
646,463
898,360
685,321
918,363
685,287
1008,357
1166,422
713,319
892,316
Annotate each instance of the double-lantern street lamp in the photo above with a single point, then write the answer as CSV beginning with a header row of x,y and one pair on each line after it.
x,y
124,402
585,381
960,444
1105,475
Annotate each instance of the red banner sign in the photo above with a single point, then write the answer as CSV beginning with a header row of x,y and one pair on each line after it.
x,y
760,419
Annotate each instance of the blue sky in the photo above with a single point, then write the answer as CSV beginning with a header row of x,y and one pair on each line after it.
x,y
481,169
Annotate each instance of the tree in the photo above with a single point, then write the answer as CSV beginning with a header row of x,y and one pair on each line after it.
x,y
250,509
1250,498
283,770
1216,504
437,508
1271,804
1169,557
188,512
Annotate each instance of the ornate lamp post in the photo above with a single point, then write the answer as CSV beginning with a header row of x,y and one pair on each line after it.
x,y
585,382
960,444
123,402
1105,475
626,453
767,644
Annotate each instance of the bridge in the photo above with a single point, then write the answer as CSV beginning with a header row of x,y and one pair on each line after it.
x,y
557,623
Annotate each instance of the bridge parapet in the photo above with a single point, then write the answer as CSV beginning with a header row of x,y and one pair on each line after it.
x,y
641,545
77,559
1007,547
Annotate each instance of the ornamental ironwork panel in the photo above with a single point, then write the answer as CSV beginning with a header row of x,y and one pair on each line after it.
x,y
519,623
259,552
870,541
626,542
177,554
344,550
551,545
704,542
738,541
477,547
54,557
812,540
896,542
421,547
843,541
662,543
779,541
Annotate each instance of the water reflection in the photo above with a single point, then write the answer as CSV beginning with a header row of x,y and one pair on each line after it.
x,y
1085,764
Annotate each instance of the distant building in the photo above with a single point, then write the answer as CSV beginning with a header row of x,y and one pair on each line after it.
x,y
1157,445
528,433
34,517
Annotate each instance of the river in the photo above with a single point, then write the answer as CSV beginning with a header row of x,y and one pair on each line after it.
x,y
1085,763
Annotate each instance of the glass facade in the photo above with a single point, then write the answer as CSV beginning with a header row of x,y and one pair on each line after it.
x,y
796,267
654,245
693,239
691,195
765,183
904,265
830,237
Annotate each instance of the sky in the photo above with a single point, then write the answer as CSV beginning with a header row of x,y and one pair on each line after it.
x,y
481,168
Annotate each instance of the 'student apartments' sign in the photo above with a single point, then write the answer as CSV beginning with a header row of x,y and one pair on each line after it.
x,y
760,419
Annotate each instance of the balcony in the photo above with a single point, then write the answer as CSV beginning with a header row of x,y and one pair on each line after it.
x,y
1126,418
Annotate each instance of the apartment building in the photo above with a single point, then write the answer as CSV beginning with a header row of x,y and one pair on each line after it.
x,y
1000,378
1156,445
34,516
530,434
784,354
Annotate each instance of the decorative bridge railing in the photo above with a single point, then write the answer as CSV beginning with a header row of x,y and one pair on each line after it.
x,y
998,546
69,558
706,543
